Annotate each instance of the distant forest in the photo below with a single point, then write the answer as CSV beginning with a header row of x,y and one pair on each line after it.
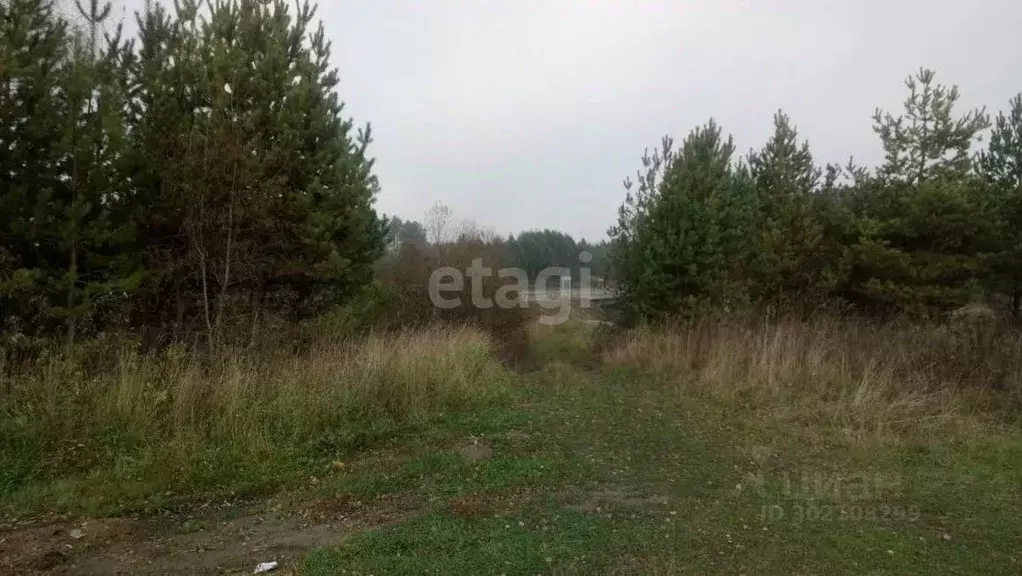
x,y
531,250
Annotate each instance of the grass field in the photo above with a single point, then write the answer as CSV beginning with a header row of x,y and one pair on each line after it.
x,y
782,449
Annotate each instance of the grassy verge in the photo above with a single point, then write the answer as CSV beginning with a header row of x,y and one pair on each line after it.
x,y
858,383
720,451
155,431
781,448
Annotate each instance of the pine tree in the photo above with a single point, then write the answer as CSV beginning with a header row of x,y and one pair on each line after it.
x,y
34,51
789,230
61,140
254,193
95,140
927,143
539,249
1001,166
682,238
924,227
400,232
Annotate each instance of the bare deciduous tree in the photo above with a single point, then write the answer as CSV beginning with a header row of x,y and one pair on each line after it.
x,y
437,221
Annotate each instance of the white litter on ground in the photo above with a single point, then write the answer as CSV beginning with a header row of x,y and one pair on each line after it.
x,y
265,567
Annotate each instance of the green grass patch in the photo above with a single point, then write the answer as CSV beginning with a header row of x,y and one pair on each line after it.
x,y
529,542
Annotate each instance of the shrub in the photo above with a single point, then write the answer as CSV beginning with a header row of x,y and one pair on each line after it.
x,y
405,286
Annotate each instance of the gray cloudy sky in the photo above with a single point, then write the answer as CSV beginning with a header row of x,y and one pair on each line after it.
x,y
529,113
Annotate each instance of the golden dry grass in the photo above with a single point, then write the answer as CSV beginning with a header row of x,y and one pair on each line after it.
x,y
398,376
870,382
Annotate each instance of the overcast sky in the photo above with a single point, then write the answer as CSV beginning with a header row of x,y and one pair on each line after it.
x,y
529,113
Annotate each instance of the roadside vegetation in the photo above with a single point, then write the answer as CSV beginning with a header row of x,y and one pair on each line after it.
x,y
150,430
654,461
769,447
862,382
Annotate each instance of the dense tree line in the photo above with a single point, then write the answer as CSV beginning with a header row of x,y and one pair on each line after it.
x,y
531,250
192,180
534,250
934,227
200,179
401,232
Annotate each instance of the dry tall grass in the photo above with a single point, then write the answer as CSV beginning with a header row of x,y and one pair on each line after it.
x,y
868,381
233,414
